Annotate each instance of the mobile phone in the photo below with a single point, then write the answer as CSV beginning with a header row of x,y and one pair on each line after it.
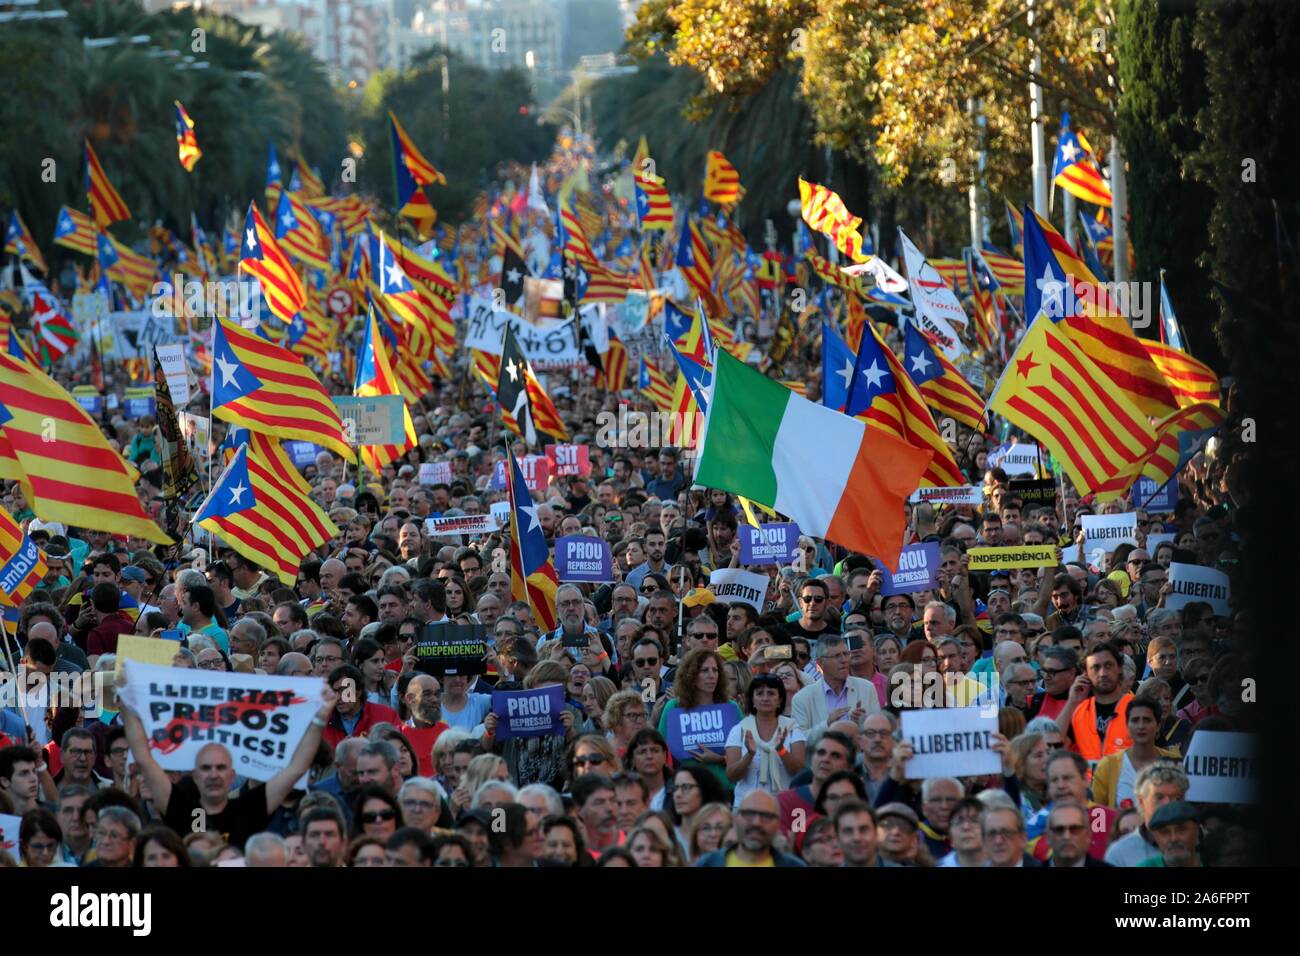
x,y
171,634
854,642
778,652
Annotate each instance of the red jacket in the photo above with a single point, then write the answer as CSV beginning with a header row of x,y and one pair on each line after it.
x,y
371,714
102,638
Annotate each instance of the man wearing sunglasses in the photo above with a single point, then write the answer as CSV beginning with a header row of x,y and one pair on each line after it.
x,y
1060,667
814,599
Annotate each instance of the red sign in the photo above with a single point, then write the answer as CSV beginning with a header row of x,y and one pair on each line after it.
x,y
536,470
569,460
340,303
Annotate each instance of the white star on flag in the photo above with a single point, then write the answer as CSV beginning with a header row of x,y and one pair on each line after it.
x,y
395,275
251,240
287,219
1069,150
1052,291
236,493
920,363
228,371
874,375
513,276
846,372
512,370
531,511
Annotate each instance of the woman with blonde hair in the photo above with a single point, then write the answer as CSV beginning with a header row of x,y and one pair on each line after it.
x,y
624,714
707,830
595,697
1029,763
794,680
649,848
481,769
591,753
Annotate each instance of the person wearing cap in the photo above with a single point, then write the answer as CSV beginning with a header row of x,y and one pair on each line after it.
x,y
898,826
134,580
1176,828
476,827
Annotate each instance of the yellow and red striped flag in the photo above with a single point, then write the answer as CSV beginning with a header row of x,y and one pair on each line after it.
x,y
260,508
68,471
1179,437
266,388
187,144
135,271
22,565
309,183
375,376
1073,168
299,233
19,242
1057,394
721,180
941,384
1190,380
614,376
825,211
653,384
105,202
75,230
261,256
402,280
654,208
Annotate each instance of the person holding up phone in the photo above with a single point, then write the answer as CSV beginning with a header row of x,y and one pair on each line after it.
x,y
1094,718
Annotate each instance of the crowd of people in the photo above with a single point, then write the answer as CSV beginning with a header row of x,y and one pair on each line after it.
x,y
1098,688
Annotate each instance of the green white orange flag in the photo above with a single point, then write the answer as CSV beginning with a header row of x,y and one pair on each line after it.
x,y
828,472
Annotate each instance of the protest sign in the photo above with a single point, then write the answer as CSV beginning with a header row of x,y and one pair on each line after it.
x,y
372,420
88,397
302,453
1191,582
704,727
569,460
9,825
1015,458
959,495
502,511
556,343
583,558
536,470
951,742
434,473
918,570
529,713
1016,556
457,649
1147,496
1035,491
146,650
172,359
1221,768
138,401
462,524
1107,532
1070,555
776,543
732,584
259,719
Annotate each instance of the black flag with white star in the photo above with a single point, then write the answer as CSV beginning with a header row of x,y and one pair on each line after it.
x,y
512,387
513,272
575,287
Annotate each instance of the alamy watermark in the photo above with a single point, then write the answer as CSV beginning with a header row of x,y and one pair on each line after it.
x,y
224,298
1135,301
636,429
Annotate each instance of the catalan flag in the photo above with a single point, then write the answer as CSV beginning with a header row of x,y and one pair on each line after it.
x,y
19,242
298,233
721,180
1055,280
1057,394
1179,437
1190,380
838,361
375,376
274,179
75,230
261,256
207,260
882,394
22,566
426,309
942,386
654,385
412,171
825,211
1073,168
134,271
187,144
267,388
532,574
654,209
571,237
1016,226
259,507
105,202
311,334
68,471
695,261
1007,270
689,403
306,181
614,376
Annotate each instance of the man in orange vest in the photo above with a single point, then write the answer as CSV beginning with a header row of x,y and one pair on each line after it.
x,y
1094,720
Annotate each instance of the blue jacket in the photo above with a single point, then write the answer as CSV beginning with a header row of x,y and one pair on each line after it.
x,y
719,858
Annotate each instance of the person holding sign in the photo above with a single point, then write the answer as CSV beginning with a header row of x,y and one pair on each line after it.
x,y
765,750
203,798
697,684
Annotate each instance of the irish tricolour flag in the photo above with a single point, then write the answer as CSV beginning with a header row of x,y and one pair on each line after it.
x,y
834,476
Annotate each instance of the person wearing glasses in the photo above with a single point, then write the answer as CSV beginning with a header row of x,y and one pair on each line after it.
x,y
625,715
115,832
1067,780
39,839
1005,838
1060,665
757,823
79,751
813,621
838,694
649,673
1068,832
898,611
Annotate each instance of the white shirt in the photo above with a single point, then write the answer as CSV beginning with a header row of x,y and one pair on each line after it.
x,y
1127,778
749,783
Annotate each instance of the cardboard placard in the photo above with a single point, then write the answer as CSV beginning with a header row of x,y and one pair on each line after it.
x,y
374,420
443,649
1035,491
1016,458
569,460
951,742
1015,556
704,727
958,495
733,584
1221,768
582,558
918,570
172,359
528,713
1147,496
1107,532
1191,582
775,543
462,524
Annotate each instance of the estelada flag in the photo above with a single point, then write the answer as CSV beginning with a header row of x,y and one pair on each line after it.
x,y
187,144
721,180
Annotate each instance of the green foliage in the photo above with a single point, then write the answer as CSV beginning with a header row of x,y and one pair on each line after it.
x,y
465,134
